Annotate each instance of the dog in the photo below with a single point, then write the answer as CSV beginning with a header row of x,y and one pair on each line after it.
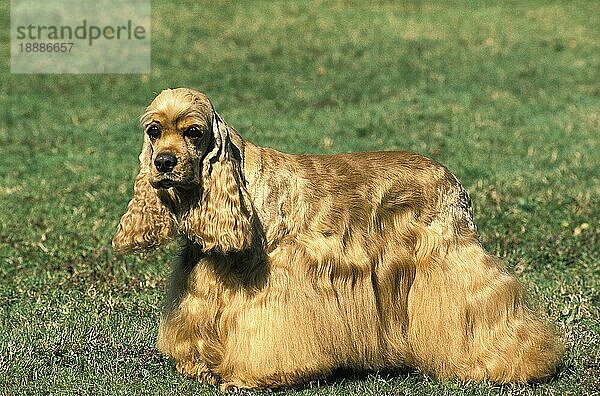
x,y
293,266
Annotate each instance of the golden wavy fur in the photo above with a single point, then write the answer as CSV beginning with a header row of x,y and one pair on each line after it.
x,y
295,265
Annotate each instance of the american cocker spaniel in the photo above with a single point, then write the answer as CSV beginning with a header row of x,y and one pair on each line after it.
x,y
295,265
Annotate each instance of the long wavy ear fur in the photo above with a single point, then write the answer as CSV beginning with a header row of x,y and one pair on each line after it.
x,y
147,222
224,218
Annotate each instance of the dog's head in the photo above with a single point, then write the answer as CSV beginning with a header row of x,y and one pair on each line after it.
x,y
183,137
178,131
190,180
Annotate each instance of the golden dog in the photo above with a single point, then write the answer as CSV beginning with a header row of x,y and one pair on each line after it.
x,y
295,265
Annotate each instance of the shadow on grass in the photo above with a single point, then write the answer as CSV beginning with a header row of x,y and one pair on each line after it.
x,y
349,378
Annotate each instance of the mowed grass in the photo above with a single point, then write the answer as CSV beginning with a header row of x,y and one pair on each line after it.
x,y
507,96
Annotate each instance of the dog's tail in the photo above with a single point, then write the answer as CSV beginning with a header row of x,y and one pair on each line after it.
x,y
468,318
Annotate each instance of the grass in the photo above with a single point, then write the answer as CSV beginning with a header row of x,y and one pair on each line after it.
x,y
507,95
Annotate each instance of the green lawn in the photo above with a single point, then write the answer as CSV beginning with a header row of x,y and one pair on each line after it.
x,y
507,96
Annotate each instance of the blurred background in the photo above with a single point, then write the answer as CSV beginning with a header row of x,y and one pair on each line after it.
x,y
505,94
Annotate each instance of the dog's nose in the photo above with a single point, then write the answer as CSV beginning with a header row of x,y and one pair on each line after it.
x,y
165,162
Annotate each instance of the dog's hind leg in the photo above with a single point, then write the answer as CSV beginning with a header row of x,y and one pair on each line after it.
x,y
468,318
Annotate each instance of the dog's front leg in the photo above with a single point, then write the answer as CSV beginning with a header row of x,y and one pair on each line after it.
x,y
184,344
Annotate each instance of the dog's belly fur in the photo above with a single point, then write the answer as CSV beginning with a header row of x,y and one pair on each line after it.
x,y
296,326
388,273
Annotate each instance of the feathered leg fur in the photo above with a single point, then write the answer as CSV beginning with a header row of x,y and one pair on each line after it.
x,y
468,318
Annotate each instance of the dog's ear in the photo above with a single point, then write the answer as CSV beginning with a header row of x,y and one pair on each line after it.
x,y
224,218
148,221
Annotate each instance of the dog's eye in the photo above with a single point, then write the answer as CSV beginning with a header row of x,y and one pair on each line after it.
x,y
192,132
153,132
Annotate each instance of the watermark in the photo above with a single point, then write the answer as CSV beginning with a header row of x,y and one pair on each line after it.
x,y
68,36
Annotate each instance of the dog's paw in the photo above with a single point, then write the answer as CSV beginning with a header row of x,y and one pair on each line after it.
x,y
198,371
237,386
